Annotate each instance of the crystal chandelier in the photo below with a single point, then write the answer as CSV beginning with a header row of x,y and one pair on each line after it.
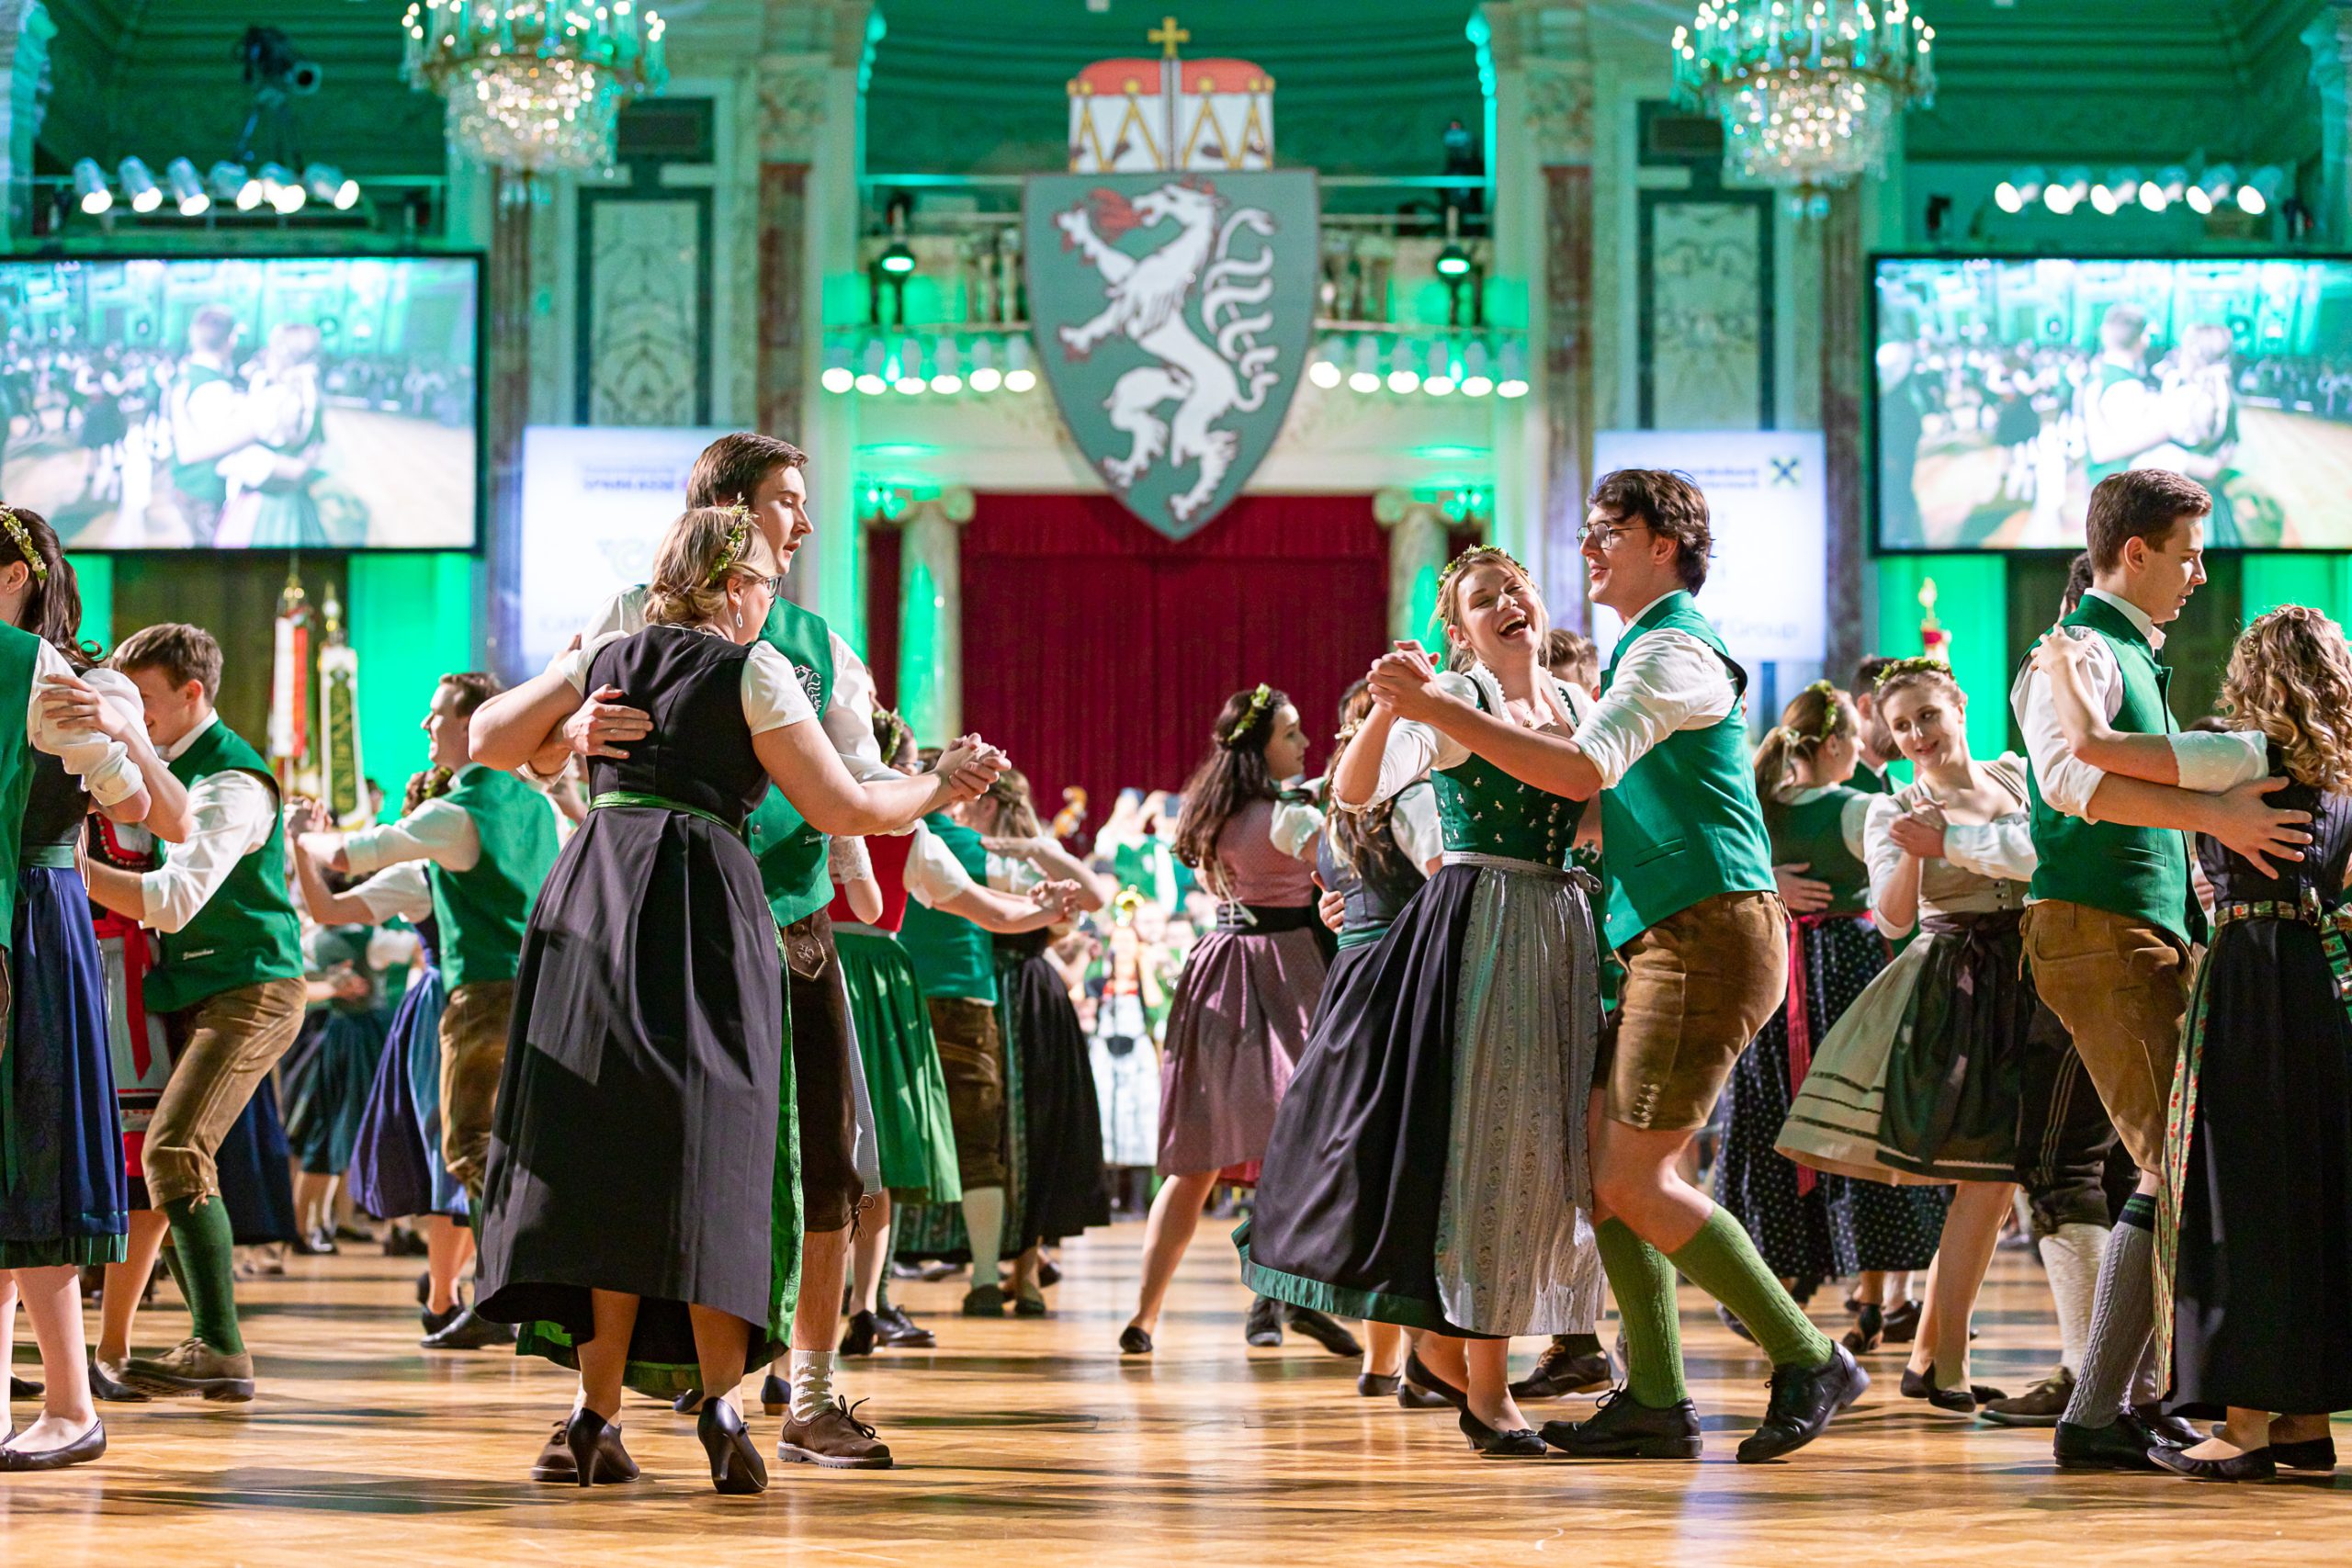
x,y
1806,89
534,86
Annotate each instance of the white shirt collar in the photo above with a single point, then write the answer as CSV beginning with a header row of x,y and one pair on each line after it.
x,y
2131,613
1652,605
179,749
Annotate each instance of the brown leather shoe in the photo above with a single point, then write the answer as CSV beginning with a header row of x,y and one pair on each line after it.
x,y
836,1438
194,1367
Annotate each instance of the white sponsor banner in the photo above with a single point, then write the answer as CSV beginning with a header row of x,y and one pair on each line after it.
x,y
1767,588
595,499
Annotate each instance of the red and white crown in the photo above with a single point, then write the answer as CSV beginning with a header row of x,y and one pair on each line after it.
x,y
1170,113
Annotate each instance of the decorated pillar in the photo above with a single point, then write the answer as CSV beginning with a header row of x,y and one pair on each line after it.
x,y
24,33
931,614
1843,285
2329,40
1416,552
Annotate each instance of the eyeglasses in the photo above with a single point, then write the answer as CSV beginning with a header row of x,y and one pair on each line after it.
x,y
774,585
1605,534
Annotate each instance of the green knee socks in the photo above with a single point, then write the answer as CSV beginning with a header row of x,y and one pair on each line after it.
x,y
1643,1283
1722,1262
204,1263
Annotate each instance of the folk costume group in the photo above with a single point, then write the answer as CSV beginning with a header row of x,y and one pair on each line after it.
x,y
669,1072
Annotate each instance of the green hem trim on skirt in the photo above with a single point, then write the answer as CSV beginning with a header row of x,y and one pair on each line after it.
x,y
1375,1306
58,1252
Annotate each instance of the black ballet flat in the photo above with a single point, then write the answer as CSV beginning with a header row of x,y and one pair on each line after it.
x,y
1903,1324
1868,1330
1374,1385
689,1403
860,1335
1418,1374
735,1468
1492,1444
1134,1341
2254,1464
1958,1401
25,1388
1326,1332
105,1386
81,1450
2314,1453
594,1443
1410,1397
775,1395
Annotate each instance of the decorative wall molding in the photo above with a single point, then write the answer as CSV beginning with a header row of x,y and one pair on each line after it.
x,y
26,30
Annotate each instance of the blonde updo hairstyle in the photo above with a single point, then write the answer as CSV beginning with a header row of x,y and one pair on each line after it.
x,y
2290,677
1450,584
704,550
1814,717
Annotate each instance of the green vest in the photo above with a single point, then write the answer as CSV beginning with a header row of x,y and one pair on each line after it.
x,y
247,931
791,853
1812,833
202,480
330,945
1868,780
481,911
20,664
1683,825
1483,810
2142,873
2107,376
952,956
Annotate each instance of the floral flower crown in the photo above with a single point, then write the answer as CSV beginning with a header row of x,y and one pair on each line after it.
x,y
1258,701
739,537
1828,689
22,537
894,730
1917,664
1476,555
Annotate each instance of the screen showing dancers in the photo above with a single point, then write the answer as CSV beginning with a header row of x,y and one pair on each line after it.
x,y
2006,389
214,403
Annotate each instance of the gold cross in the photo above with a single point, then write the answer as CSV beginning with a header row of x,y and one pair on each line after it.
x,y
1168,35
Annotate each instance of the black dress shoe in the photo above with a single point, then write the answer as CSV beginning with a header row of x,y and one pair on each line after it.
x,y
1492,1444
1562,1371
402,1241
775,1395
1049,1273
1624,1427
434,1322
104,1385
896,1329
735,1468
1901,1322
1374,1385
2314,1453
1958,1401
1134,1341
593,1445
859,1334
2124,1443
468,1332
1802,1402
1325,1331
25,1388
1870,1328
2254,1464
1416,1373
1264,1329
1410,1397
2177,1430
81,1450
689,1403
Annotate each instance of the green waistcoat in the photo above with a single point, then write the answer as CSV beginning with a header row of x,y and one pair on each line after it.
x,y
481,911
1683,825
1868,780
2142,873
952,956
791,853
247,931
330,945
20,664
1483,810
202,480
1812,833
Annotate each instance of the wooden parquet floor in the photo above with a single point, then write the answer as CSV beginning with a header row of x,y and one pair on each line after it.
x,y
1032,1443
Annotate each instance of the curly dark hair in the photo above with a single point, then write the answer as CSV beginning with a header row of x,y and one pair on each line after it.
x,y
1231,776
1667,505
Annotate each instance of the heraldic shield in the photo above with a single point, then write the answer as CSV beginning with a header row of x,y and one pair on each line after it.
x,y
1173,314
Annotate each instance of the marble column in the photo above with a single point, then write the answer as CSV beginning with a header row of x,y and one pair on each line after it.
x,y
1416,552
931,614
24,33
1843,286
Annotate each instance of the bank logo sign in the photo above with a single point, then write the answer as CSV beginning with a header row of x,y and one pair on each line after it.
x,y
1171,319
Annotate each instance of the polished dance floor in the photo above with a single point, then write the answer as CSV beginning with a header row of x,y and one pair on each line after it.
x,y
1032,1443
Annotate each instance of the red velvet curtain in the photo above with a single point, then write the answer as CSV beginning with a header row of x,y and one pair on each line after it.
x,y
1097,651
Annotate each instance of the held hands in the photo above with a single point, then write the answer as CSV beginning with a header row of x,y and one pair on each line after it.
x,y
304,818
1920,832
1061,897
1405,682
1801,895
967,768
602,726
2246,822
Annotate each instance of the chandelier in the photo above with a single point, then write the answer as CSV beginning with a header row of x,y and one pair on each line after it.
x,y
534,86
1806,89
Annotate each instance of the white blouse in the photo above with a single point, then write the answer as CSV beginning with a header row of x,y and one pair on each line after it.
x,y
1415,750
772,697
1985,866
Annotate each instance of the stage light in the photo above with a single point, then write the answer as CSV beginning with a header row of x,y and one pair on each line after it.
x,y
1476,383
326,183
870,379
2007,198
985,377
282,190
1018,376
1512,382
2164,188
2020,191
2103,200
1366,376
2259,191
838,376
188,188
2067,192
944,378
1453,261
897,259
2124,186
231,183
1403,378
90,187
1440,380
2213,187
138,184
1324,369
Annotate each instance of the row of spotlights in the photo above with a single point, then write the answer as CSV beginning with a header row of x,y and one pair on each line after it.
x,y
231,184
1438,369
986,366
2068,189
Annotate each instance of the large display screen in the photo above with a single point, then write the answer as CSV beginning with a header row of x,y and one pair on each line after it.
x,y
2007,389
245,403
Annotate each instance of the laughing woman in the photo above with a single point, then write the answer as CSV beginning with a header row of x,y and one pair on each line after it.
x,y
1429,1167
